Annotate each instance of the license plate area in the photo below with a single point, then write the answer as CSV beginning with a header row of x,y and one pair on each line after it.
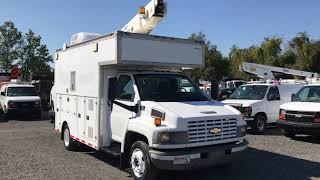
x,y
181,160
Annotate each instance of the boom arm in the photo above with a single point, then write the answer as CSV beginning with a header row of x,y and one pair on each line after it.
x,y
147,18
265,72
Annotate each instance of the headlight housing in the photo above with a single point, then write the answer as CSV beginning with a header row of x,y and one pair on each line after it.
x,y
242,131
282,115
172,137
246,111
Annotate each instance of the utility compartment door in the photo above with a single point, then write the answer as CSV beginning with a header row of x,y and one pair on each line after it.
x,y
90,120
58,112
81,117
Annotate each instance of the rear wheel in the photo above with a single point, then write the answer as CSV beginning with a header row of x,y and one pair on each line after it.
x,y
259,125
68,143
288,133
140,162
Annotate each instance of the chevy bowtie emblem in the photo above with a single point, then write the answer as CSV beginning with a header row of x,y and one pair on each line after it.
x,y
215,130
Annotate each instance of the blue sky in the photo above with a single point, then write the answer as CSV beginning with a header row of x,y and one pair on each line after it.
x,y
225,22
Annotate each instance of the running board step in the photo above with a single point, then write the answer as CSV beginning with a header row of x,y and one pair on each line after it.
x,y
114,150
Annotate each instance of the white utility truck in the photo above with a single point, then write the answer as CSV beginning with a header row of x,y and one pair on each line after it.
x,y
259,102
123,93
302,115
19,98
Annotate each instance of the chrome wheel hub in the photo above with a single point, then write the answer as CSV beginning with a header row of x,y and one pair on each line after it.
x,y
137,163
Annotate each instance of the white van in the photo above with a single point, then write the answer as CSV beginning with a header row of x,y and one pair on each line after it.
x,y
124,94
19,98
260,102
302,115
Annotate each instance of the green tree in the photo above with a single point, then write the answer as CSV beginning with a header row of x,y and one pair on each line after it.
x,y
34,57
215,67
10,38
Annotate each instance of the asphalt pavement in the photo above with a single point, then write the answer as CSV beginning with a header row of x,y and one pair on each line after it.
x,y
31,149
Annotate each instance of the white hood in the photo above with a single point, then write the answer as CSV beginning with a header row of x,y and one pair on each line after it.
x,y
243,102
301,106
198,109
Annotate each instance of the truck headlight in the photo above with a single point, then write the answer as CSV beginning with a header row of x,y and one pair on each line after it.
x,y
282,115
173,138
242,131
246,111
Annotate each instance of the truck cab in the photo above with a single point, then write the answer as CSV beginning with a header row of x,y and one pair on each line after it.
x,y
20,99
302,115
260,102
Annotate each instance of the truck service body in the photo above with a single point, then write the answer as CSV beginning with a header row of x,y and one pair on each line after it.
x,y
114,94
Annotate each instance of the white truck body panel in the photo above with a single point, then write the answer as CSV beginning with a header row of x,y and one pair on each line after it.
x,y
92,62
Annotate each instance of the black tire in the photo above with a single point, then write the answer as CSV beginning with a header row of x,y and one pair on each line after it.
x,y
150,172
68,142
259,124
288,133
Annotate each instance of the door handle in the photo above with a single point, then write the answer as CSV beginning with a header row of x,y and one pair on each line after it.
x,y
88,117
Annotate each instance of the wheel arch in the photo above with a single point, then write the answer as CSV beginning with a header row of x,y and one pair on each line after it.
x,y
132,137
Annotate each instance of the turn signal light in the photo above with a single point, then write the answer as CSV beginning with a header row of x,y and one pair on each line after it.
x,y
157,121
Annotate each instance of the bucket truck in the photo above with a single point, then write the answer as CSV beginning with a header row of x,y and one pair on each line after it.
x,y
124,94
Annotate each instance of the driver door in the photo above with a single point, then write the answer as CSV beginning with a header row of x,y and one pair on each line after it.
x,y
121,110
273,104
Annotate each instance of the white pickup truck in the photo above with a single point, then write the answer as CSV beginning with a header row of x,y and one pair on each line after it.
x,y
124,94
20,99
302,115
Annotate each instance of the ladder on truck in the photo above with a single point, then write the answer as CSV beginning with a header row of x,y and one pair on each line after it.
x,y
266,72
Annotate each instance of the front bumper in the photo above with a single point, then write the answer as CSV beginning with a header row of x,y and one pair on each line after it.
x,y
24,111
302,128
248,118
194,158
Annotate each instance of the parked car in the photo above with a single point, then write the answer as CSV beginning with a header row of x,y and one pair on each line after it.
x,y
302,115
260,102
17,98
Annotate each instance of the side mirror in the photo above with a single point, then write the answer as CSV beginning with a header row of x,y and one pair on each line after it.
x,y
224,97
293,97
112,88
2,94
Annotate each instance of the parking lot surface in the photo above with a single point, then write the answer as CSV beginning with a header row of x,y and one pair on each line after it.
x,y
32,150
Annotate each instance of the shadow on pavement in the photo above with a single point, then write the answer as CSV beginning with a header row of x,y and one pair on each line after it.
x,y
44,117
309,139
255,164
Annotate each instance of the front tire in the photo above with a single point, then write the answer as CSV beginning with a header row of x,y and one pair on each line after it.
x,y
260,124
140,162
68,142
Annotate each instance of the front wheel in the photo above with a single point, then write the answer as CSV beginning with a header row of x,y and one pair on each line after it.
x,y
259,125
68,143
140,162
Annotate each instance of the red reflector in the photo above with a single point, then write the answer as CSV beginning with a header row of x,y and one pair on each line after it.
x,y
282,117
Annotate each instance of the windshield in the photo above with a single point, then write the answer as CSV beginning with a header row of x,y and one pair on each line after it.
x,y
167,88
22,91
250,92
308,94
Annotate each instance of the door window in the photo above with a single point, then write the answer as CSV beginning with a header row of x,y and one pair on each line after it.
x,y
273,94
125,89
